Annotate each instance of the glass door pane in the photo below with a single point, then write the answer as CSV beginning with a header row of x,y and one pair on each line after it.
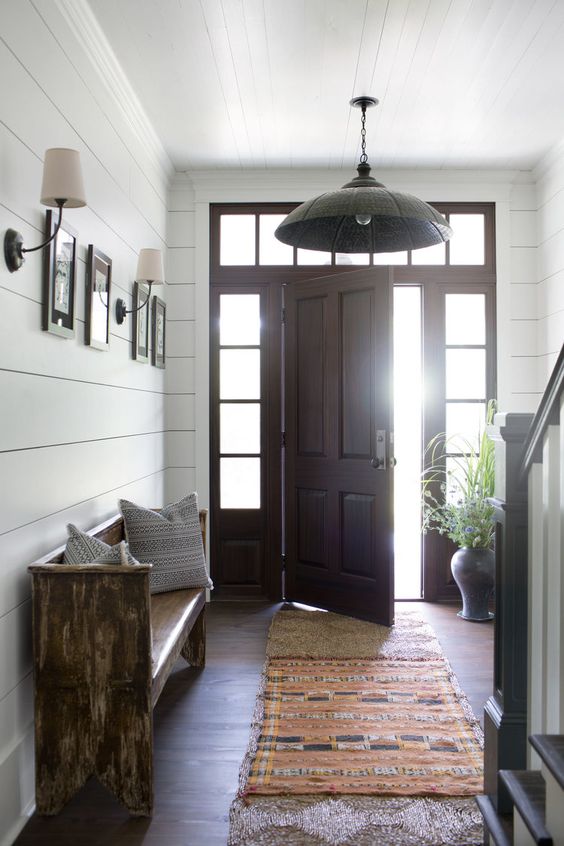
x,y
465,319
239,482
239,320
239,428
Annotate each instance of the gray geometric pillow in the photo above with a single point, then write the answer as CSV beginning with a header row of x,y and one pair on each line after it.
x,y
170,540
82,548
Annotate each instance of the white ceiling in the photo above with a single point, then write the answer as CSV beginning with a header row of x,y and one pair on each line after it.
x,y
266,83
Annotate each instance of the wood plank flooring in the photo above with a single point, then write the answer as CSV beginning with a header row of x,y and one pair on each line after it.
x,y
202,729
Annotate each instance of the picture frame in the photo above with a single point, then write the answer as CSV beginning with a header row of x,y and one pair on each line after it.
x,y
98,289
140,322
59,279
158,333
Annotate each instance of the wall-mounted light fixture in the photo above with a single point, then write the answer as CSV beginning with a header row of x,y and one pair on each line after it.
x,y
149,270
62,187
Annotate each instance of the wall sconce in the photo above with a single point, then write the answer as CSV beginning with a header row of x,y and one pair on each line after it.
x,y
149,270
62,187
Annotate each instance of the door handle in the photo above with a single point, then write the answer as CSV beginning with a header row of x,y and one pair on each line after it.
x,y
378,462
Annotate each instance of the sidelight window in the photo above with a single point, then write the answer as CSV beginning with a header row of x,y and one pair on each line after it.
x,y
465,368
239,401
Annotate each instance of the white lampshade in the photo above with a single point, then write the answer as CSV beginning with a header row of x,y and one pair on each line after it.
x,y
62,178
150,267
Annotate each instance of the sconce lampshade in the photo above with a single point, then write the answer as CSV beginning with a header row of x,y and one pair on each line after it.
x,y
150,267
62,179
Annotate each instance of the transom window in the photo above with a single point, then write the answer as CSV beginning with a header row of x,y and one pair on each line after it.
x,y
248,240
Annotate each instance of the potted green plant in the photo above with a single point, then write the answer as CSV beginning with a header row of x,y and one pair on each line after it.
x,y
455,503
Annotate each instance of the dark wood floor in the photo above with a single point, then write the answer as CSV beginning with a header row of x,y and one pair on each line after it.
x,y
201,734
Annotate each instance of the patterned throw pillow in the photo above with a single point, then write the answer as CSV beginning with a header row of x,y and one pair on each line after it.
x,y
170,540
84,549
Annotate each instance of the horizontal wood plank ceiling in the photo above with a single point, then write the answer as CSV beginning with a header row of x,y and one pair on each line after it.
x,y
265,83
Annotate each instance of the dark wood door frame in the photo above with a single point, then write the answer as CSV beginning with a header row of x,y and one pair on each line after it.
x,y
434,281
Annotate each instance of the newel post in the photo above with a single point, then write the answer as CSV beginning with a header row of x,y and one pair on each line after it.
x,y
505,713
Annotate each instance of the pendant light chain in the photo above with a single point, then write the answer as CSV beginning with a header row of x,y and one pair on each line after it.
x,y
363,157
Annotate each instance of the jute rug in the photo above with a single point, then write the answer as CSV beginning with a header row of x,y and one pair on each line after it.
x,y
360,735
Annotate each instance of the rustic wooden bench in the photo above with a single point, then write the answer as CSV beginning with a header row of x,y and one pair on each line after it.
x,y
103,649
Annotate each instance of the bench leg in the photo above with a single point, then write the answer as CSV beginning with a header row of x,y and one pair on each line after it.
x,y
124,761
194,650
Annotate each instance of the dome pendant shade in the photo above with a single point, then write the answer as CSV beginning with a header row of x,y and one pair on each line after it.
x,y
331,221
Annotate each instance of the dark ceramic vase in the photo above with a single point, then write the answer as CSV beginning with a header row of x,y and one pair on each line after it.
x,y
473,571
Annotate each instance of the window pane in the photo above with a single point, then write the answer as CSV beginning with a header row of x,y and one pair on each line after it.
x,y
352,258
465,422
313,257
429,255
271,250
239,427
390,258
465,318
237,239
467,242
239,320
466,374
239,374
239,482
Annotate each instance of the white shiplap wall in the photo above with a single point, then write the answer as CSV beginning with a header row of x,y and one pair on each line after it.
x,y
181,346
550,272
78,427
519,347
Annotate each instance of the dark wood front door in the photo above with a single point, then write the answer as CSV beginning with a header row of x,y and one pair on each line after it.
x,y
339,482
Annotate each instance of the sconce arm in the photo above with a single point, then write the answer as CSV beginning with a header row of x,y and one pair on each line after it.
x,y
122,310
13,243
60,204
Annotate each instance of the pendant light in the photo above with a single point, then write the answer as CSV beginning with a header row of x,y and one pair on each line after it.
x,y
363,216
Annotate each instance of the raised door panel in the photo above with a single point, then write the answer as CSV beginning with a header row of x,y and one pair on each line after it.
x,y
358,526
312,527
357,382
311,376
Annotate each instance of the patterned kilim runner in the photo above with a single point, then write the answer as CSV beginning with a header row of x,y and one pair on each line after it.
x,y
371,727
361,735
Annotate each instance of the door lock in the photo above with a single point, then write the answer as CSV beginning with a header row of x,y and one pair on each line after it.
x,y
378,462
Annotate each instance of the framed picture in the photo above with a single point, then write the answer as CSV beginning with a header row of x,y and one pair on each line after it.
x,y
159,332
98,284
59,279
140,322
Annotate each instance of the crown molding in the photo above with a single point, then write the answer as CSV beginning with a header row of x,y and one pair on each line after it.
x,y
297,184
88,32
